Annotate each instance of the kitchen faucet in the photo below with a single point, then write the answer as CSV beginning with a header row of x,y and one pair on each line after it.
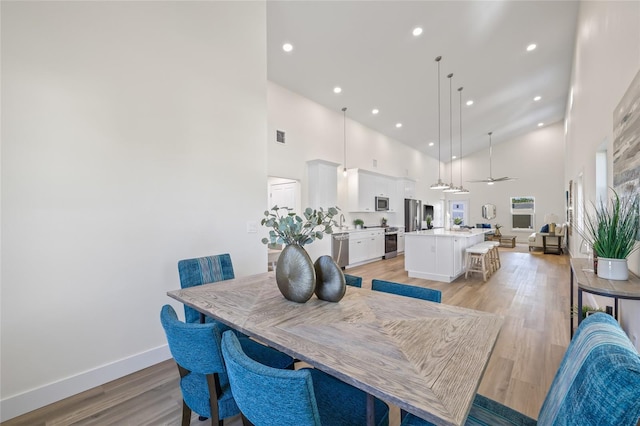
x,y
341,219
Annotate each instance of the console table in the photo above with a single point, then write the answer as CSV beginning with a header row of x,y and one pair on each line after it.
x,y
582,273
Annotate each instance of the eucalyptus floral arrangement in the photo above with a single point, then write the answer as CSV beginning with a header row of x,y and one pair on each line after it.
x,y
613,228
288,227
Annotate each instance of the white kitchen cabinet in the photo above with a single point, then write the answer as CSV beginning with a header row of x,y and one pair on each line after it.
x,y
366,245
323,183
400,241
406,188
364,186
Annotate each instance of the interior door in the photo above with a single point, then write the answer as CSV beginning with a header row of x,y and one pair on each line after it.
x,y
283,195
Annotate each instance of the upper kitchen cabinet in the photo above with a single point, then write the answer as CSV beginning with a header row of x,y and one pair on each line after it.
x,y
363,187
323,183
406,188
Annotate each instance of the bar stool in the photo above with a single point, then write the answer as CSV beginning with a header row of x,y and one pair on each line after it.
x,y
494,254
477,260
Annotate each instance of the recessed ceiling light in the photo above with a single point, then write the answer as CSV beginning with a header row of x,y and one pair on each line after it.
x,y
537,98
337,89
531,47
431,144
374,111
417,31
287,47
469,102
453,157
398,125
540,124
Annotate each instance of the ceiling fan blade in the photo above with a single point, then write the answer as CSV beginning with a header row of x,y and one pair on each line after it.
x,y
481,180
504,179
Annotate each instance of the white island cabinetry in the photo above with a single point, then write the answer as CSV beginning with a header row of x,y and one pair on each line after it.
x,y
438,254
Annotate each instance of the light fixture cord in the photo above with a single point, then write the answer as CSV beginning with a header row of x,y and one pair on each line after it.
x,y
460,159
450,77
490,155
344,116
438,61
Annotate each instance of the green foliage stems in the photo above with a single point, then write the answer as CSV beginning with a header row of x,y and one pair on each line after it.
x,y
612,232
289,228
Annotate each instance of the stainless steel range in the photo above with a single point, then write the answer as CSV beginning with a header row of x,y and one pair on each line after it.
x,y
390,242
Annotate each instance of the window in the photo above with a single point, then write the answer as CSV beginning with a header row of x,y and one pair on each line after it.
x,y
523,210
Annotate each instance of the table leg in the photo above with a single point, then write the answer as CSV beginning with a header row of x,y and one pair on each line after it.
x,y
579,306
571,304
371,410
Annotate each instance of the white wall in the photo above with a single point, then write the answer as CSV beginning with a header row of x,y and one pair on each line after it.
x,y
536,159
315,132
606,58
133,135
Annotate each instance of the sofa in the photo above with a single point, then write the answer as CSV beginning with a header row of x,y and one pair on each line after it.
x,y
535,239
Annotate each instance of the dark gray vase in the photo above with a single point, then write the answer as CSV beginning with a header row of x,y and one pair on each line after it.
x,y
330,282
295,275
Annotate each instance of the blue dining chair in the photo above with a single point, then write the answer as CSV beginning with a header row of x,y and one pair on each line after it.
x,y
407,290
598,383
203,270
352,280
203,378
306,397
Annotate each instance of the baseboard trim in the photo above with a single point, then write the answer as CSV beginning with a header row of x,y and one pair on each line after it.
x,y
37,398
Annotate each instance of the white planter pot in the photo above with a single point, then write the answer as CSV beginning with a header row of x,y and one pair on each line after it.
x,y
613,269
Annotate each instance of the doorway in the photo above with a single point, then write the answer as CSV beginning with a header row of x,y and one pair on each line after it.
x,y
283,192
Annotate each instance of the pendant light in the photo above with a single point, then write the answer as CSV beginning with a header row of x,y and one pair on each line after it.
x,y
451,186
344,116
439,184
462,189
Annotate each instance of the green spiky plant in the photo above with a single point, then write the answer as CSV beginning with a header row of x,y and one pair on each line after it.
x,y
289,228
613,228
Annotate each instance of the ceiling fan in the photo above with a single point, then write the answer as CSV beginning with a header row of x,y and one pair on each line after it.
x,y
491,180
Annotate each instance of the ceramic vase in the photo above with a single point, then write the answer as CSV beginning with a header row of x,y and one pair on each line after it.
x,y
613,269
330,281
295,274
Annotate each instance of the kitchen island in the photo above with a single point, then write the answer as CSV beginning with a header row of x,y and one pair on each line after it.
x,y
439,254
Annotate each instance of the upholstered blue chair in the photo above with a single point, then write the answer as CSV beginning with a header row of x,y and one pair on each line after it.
x,y
407,290
306,397
597,384
352,280
203,378
203,270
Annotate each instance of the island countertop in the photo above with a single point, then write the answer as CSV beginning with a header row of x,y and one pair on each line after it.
x,y
469,233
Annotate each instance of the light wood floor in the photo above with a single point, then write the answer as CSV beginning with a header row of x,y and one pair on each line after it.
x,y
531,291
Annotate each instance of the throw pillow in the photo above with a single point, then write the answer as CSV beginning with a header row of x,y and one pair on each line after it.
x,y
545,228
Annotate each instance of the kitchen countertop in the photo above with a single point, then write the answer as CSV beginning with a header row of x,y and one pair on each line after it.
x,y
467,233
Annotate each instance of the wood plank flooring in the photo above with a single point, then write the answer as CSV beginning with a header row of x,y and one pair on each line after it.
x,y
531,291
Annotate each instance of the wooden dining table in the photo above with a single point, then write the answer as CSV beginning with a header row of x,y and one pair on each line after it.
x,y
426,358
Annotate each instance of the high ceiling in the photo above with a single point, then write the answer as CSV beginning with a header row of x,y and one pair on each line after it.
x,y
368,49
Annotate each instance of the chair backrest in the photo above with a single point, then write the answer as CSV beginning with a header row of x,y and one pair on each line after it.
x,y
195,347
269,396
352,280
203,270
407,290
598,381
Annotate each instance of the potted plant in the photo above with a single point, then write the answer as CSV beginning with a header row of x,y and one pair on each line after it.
x,y
498,233
611,231
457,221
295,272
358,223
429,219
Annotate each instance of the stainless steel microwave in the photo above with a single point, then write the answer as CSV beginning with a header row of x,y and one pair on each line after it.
x,y
382,204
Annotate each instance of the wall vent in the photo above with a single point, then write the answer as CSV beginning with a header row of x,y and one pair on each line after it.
x,y
280,136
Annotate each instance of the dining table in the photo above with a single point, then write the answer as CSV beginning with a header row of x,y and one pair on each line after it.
x,y
426,358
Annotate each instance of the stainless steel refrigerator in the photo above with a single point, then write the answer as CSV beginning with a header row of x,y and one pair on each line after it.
x,y
412,215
